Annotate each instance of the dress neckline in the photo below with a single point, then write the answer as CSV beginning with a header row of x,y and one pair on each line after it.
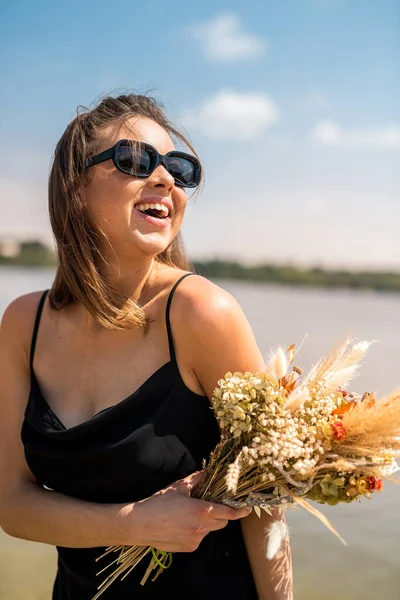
x,y
166,367
105,412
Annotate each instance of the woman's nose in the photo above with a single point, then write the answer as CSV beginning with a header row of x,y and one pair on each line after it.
x,y
161,178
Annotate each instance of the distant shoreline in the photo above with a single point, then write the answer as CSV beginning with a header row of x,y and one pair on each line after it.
x,y
296,276
263,273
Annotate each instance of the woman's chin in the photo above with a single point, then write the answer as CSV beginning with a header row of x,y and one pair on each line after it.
x,y
150,243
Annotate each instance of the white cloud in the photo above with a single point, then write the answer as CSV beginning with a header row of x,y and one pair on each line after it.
x,y
329,133
223,40
233,115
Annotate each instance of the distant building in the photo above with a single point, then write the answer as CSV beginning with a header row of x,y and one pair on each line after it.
x,y
10,248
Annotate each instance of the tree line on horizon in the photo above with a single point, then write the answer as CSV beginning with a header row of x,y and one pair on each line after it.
x,y
294,275
37,254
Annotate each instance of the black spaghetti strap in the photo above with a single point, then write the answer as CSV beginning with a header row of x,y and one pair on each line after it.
x,y
170,341
36,327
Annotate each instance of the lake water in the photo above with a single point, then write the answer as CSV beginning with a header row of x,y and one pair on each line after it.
x,y
369,567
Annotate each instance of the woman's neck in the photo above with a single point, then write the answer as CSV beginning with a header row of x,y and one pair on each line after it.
x,y
132,280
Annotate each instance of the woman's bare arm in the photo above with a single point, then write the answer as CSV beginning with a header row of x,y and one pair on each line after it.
x,y
30,512
273,578
217,338
26,509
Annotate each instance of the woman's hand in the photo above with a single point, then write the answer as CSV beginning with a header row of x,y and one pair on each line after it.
x,y
172,521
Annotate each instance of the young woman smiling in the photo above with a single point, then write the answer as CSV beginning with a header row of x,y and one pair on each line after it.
x,y
105,382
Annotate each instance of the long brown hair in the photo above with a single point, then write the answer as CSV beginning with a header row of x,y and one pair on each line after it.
x,y
81,268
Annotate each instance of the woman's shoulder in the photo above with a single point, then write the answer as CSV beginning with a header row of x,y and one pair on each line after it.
x,y
203,300
23,306
203,312
213,331
18,319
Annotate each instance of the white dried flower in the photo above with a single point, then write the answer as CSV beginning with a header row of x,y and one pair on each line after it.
x,y
388,469
232,477
277,533
297,398
339,378
359,349
278,365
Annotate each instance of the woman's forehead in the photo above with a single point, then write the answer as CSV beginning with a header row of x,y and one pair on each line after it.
x,y
140,129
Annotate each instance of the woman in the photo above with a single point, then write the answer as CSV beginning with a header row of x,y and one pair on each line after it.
x,y
105,382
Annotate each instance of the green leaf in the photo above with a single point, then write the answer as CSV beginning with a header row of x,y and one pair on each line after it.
x,y
333,491
339,481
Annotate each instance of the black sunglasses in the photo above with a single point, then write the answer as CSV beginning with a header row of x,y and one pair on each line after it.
x,y
140,159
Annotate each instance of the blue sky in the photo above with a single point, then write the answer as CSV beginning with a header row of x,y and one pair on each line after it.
x,y
293,106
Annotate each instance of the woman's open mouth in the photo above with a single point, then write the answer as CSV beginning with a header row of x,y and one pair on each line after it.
x,y
159,211
154,213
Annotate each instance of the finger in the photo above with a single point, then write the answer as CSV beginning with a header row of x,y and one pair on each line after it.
x,y
240,513
220,511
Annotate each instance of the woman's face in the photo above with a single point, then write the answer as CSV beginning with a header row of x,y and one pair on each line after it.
x,y
111,196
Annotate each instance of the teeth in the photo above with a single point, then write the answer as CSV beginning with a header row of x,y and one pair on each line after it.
x,y
145,206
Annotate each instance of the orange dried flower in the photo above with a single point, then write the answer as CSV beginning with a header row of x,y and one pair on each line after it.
x,y
339,431
374,484
342,410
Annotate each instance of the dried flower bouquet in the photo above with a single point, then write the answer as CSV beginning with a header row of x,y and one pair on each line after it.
x,y
285,439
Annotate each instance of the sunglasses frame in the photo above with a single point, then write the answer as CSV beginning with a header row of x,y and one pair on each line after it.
x,y
161,159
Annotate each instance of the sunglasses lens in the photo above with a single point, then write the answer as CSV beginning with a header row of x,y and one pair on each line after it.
x,y
136,159
183,169
140,160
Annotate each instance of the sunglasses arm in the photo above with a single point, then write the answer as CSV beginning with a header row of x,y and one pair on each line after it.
x,y
102,157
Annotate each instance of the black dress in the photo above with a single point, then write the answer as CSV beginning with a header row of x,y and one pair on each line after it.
x,y
158,434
